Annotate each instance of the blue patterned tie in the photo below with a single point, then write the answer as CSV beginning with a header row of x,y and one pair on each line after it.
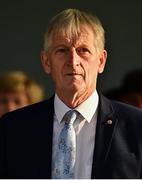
x,y
63,167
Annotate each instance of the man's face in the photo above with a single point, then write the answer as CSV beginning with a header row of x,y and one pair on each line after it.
x,y
10,101
74,64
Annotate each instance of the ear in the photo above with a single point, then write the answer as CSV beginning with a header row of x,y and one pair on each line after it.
x,y
103,57
45,62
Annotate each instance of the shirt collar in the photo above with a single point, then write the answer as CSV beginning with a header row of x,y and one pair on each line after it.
x,y
87,109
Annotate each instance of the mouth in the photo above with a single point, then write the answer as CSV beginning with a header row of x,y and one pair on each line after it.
x,y
73,74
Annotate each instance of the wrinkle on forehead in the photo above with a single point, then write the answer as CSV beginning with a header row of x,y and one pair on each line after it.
x,y
72,37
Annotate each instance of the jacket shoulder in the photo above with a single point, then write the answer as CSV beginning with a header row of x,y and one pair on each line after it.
x,y
121,110
30,112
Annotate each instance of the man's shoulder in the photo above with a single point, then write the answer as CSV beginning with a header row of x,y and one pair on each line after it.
x,y
123,110
127,109
120,109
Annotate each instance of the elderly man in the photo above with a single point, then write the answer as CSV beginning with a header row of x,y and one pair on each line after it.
x,y
77,133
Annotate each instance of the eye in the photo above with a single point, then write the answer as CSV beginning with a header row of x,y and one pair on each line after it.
x,y
61,50
83,50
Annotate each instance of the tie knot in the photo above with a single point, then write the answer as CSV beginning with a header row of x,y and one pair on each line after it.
x,y
70,116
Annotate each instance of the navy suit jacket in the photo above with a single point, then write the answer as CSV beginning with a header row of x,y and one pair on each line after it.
x,y
26,141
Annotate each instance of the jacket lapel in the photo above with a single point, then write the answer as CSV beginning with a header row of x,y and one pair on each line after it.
x,y
106,124
45,128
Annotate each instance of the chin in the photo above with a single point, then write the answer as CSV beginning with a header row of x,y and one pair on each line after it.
x,y
75,88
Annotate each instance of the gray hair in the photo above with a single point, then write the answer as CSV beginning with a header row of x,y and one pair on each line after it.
x,y
69,23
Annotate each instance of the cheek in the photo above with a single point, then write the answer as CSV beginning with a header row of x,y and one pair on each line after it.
x,y
56,74
95,67
91,76
57,66
92,68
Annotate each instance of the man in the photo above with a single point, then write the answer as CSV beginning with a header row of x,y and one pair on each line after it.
x,y
18,90
108,134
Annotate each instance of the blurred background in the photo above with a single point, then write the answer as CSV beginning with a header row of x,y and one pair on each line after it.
x,y
22,25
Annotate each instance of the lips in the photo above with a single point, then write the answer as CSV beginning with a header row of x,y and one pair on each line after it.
x,y
73,74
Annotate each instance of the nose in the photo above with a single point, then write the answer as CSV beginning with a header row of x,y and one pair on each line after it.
x,y
73,59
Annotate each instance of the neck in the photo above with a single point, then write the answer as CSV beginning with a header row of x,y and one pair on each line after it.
x,y
73,100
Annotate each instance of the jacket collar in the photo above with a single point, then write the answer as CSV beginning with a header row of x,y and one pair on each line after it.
x,y
106,124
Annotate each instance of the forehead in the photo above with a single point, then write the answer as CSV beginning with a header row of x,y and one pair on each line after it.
x,y
85,35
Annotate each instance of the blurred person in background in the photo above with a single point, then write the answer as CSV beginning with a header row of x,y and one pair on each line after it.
x,y
17,90
130,91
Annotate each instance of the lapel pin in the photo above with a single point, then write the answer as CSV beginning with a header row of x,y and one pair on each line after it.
x,y
109,122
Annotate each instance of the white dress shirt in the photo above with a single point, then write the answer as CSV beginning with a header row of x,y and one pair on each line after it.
x,y
85,133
